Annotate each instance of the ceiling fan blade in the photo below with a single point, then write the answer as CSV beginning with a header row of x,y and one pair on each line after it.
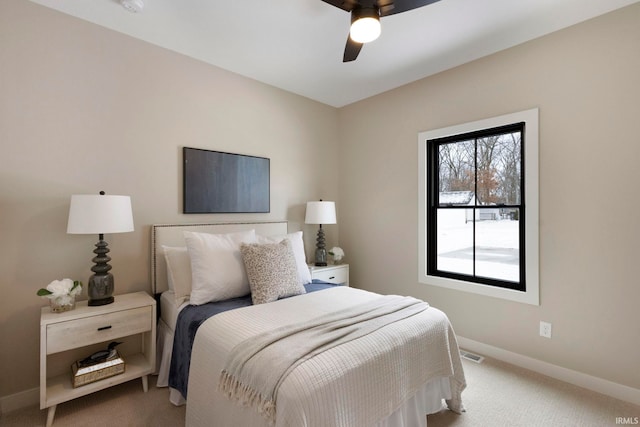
x,y
392,7
351,50
387,7
347,5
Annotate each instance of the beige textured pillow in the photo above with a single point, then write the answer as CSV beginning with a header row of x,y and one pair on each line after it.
x,y
271,269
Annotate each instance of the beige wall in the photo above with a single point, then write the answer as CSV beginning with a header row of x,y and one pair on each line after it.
x,y
84,109
585,82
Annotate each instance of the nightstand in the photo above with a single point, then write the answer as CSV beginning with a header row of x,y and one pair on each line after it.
x,y
337,273
72,335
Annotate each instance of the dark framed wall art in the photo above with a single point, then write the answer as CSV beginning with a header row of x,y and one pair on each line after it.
x,y
218,182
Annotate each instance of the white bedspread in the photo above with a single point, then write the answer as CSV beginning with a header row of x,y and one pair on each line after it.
x,y
357,383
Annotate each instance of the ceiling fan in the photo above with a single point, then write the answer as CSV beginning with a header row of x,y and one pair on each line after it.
x,y
365,19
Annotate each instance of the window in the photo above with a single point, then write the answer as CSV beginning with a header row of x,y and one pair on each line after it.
x,y
478,198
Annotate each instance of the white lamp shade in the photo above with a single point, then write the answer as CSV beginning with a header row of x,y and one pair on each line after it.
x,y
99,214
320,213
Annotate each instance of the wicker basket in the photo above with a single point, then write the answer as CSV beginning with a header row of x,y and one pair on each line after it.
x,y
88,374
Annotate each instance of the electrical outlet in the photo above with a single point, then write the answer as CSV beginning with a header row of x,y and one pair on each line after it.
x,y
545,329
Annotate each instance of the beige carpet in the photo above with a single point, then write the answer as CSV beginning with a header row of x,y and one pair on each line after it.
x,y
124,405
497,395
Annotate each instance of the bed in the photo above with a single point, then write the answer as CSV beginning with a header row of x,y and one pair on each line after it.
x,y
392,374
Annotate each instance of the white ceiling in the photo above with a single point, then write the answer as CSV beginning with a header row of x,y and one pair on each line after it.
x,y
297,45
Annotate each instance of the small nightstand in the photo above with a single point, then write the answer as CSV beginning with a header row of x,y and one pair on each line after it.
x,y
71,335
338,273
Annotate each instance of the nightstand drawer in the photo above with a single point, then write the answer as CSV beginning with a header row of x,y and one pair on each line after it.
x,y
332,275
94,329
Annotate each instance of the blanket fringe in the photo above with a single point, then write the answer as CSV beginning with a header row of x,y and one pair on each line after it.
x,y
234,389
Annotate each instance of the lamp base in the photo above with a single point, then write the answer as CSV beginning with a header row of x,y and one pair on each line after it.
x,y
102,301
100,289
321,252
321,257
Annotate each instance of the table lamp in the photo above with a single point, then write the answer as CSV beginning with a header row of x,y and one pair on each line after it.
x,y
320,213
100,214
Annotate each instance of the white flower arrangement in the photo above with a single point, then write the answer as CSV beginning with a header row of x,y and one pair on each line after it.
x,y
337,253
62,291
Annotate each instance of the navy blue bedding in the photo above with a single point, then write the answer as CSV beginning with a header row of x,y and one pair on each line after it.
x,y
189,320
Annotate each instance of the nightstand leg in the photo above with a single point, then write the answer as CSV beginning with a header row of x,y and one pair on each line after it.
x,y
145,383
50,414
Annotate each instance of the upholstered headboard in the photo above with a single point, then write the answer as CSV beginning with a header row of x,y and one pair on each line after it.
x,y
172,235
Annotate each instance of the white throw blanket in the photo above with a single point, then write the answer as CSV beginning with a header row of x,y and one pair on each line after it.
x,y
355,384
257,366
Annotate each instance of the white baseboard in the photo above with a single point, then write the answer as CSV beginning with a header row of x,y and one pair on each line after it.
x,y
19,400
599,385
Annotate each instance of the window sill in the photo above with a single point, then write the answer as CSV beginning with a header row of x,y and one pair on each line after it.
x,y
530,296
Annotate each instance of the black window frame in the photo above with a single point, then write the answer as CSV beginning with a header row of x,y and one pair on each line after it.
x,y
433,205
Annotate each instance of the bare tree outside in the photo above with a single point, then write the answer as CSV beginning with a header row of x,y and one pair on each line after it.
x,y
489,166
456,164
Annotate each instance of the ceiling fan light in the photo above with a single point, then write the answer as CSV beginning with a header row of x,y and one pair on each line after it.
x,y
365,25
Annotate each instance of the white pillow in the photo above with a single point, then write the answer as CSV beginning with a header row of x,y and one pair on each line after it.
x,y
297,245
217,270
178,271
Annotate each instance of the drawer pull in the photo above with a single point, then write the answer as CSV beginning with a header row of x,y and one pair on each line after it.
x,y
332,277
104,328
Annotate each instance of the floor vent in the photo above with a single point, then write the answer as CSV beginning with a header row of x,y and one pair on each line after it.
x,y
471,356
